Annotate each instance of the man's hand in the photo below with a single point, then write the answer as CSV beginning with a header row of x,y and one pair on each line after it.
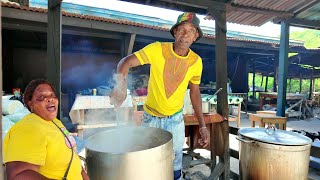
x,y
117,97
204,137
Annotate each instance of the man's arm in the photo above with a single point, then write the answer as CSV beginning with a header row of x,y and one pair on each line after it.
x,y
119,92
126,63
196,101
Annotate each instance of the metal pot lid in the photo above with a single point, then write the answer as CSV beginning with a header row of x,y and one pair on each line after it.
x,y
275,136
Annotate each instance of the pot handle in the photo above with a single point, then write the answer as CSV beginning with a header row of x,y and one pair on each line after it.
x,y
244,140
272,131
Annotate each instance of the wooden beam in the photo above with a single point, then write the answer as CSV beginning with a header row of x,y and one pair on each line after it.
x,y
218,170
221,82
289,85
1,159
304,23
304,6
234,153
131,40
275,73
127,45
54,49
300,85
254,79
266,86
311,84
283,69
54,3
91,33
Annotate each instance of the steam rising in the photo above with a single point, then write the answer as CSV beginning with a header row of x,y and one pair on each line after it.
x,y
109,118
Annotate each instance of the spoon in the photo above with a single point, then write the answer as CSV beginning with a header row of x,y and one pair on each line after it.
x,y
214,94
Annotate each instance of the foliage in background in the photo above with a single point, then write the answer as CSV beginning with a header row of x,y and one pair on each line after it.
x,y
310,37
293,88
311,40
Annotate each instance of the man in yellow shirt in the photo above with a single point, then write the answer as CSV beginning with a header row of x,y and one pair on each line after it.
x,y
174,66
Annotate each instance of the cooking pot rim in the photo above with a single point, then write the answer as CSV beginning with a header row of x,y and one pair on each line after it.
x,y
90,147
279,137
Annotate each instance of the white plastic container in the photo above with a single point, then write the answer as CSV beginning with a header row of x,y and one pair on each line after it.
x,y
187,108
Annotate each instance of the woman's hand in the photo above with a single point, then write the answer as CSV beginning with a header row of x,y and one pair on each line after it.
x,y
204,137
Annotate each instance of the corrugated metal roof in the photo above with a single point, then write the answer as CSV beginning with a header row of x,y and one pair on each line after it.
x,y
303,13
143,25
285,6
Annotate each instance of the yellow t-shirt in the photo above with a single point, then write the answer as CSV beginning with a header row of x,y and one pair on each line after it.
x,y
40,142
170,75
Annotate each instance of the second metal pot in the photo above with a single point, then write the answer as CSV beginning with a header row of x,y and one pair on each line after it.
x,y
273,154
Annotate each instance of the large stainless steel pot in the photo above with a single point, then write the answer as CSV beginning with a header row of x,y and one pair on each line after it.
x,y
130,153
273,154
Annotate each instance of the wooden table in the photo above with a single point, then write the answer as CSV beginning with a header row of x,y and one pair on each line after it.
x,y
274,95
271,112
268,119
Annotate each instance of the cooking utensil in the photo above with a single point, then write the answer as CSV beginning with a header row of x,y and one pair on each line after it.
x,y
213,94
206,106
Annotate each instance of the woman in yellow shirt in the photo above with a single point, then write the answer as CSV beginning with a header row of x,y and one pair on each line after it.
x,y
39,146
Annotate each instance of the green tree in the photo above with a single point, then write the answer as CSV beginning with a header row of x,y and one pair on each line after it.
x,y
310,37
311,40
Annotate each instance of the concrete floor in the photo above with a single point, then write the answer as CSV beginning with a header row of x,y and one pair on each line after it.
x,y
200,172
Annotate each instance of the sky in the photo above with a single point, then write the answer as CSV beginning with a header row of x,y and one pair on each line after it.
x,y
268,29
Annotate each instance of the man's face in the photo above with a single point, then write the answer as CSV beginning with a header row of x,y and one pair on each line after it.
x,y
185,34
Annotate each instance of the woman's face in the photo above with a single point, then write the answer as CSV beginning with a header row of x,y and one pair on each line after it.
x,y
44,102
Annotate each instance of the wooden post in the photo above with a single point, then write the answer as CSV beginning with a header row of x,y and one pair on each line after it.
x,y
300,88
54,47
219,14
266,86
254,79
283,69
313,84
127,46
311,81
275,75
289,85
2,167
